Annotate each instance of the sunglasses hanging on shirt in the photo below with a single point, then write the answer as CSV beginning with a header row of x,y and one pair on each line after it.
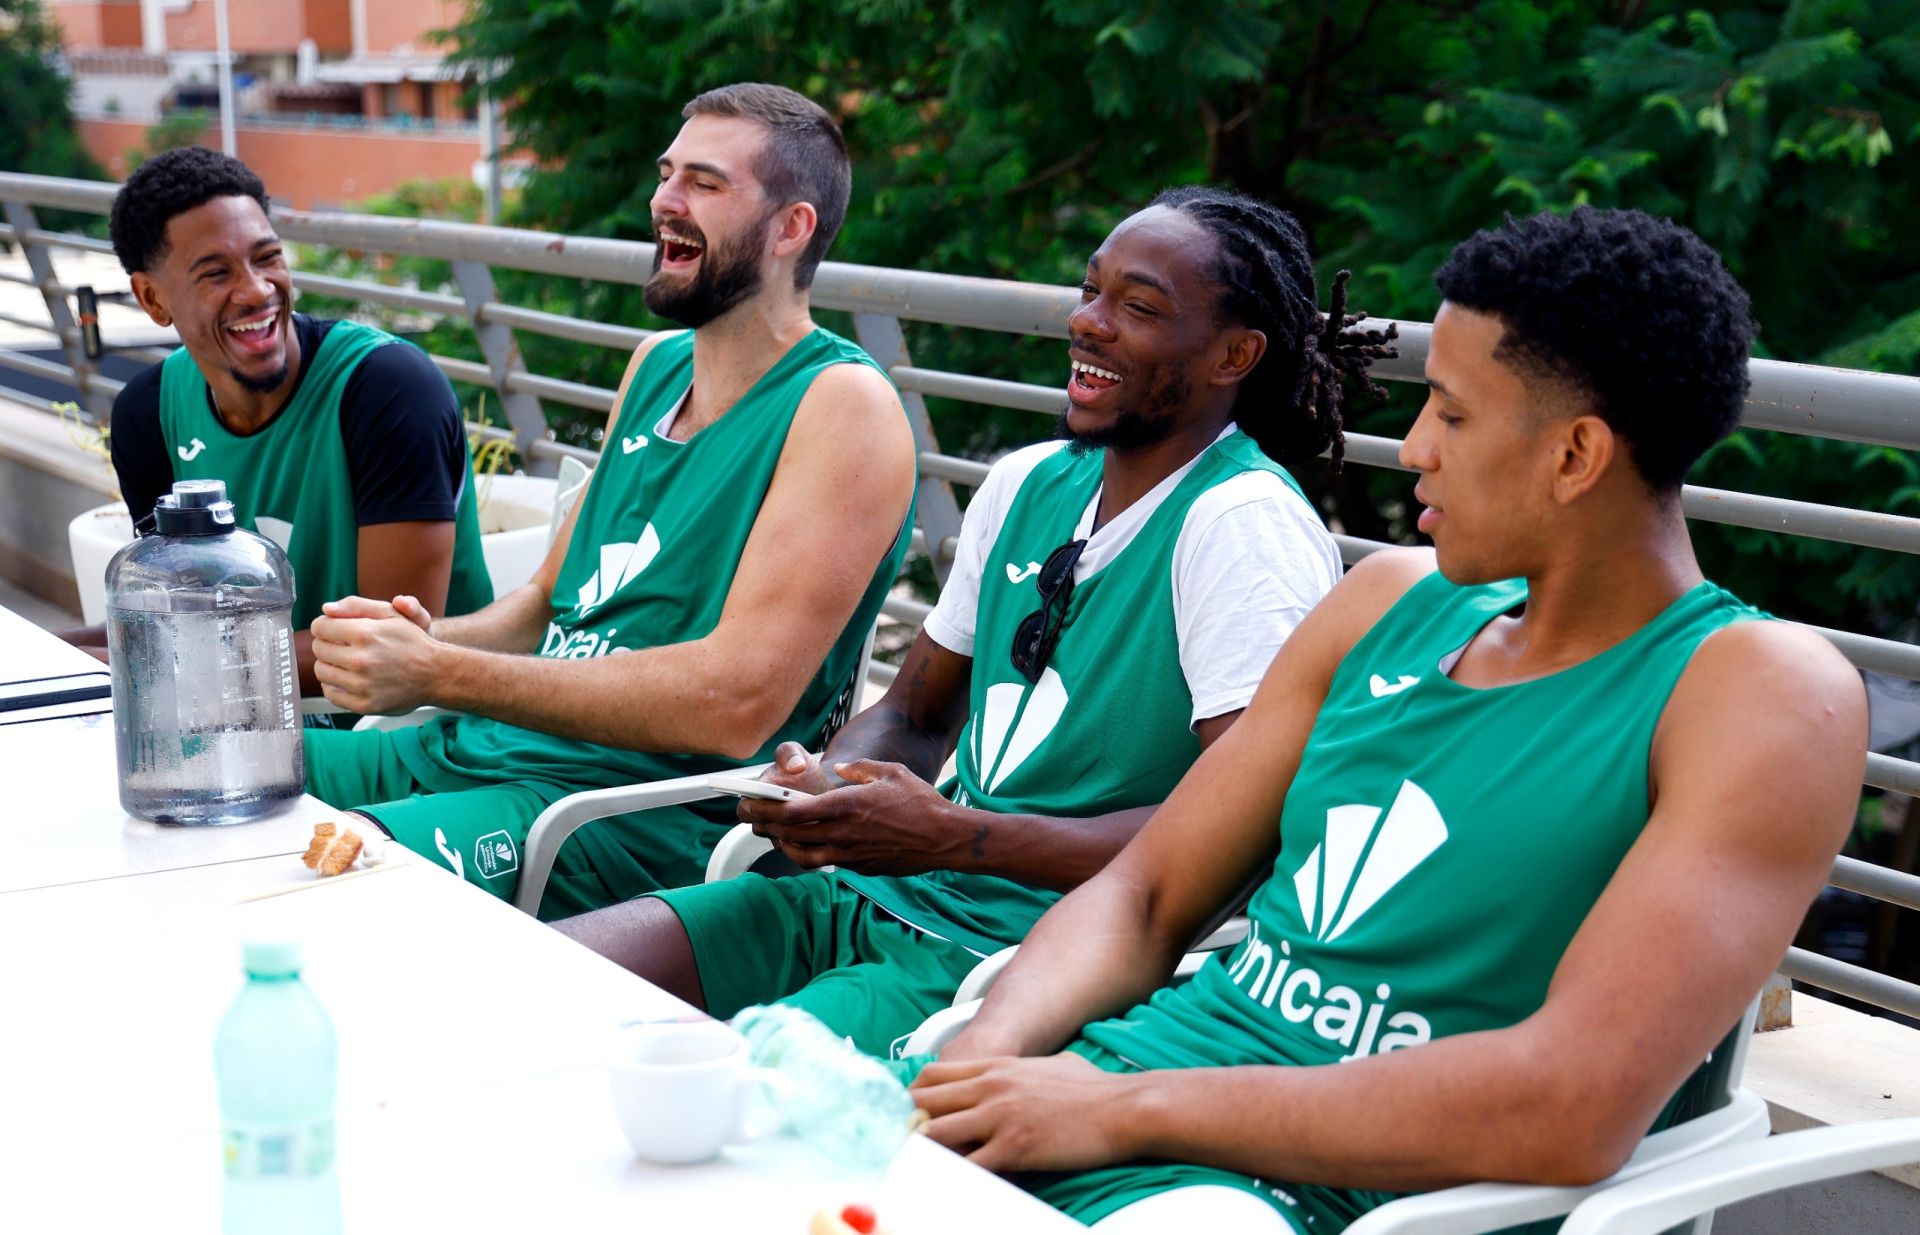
x,y
1034,638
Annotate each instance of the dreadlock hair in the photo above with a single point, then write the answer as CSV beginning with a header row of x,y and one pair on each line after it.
x,y
1291,403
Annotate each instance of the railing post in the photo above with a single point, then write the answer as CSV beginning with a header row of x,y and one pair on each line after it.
x,y
502,351
21,218
938,513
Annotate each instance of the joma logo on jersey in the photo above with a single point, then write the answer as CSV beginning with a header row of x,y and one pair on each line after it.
x,y
1361,858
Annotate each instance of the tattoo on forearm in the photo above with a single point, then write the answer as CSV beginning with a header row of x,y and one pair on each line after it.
x,y
980,843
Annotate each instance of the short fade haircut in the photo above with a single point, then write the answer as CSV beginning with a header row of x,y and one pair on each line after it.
x,y
170,184
804,158
1634,312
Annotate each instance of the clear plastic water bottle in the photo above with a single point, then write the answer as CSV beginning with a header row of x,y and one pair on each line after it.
x,y
845,1105
276,1066
206,694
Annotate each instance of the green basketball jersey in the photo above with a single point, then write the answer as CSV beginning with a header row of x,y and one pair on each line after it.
x,y
1106,727
290,481
651,560
1440,845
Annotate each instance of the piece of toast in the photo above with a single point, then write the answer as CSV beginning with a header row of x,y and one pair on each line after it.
x,y
332,850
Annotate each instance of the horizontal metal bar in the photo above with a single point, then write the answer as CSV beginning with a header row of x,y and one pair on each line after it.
x,y
489,432
466,371
20,362
380,293
24,280
1848,405
1888,656
947,467
1899,775
1812,520
69,240
948,546
560,326
27,323
880,673
1880,882
901,609
1852,981
6,232
1353,548
1022,396
152,355
547,448
593,398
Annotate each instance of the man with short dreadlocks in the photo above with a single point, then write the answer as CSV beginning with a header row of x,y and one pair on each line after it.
x,y
1114,601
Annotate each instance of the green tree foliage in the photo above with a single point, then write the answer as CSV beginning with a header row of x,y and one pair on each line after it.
x,y
1006,137
37,134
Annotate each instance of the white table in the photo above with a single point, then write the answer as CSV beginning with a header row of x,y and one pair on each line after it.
x,y
27,652
61,820
472,1092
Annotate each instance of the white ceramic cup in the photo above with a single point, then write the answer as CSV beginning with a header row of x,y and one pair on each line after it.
x,y
680,1088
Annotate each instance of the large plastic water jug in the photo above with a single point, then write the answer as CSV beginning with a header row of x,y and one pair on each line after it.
x,y
206,696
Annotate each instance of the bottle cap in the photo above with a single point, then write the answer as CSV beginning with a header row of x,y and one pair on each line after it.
x,y
194,508
270,958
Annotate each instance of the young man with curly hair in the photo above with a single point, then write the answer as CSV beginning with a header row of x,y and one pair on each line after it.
x,y
335,439
1537,811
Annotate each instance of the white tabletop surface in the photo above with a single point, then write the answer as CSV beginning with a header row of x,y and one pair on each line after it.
x,y
61,819
27,652
472,1097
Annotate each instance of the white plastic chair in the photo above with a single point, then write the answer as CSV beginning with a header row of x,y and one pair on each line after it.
x,y
1691,1188
939,1029
1709,1144
573,812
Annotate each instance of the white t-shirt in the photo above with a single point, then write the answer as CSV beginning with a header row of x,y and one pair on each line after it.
x,y
1251,559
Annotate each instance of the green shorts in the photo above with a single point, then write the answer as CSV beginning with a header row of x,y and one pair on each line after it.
x,y
478,830
812,942
1092,1195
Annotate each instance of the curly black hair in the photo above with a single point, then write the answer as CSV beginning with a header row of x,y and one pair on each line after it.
x,y
171,184
1636,313
1291,403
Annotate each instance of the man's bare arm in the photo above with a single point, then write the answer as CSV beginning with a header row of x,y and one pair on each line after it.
x,y
1756,767
1112,941
828,517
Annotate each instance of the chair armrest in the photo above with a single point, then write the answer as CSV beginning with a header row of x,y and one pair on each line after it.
x,y
981,978
1475,1209
738,850
1663,1198
569,814
406,720
940,1028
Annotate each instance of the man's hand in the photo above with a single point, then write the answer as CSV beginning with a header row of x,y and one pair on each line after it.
x,y
795,767
882,820
374,657
1056,1113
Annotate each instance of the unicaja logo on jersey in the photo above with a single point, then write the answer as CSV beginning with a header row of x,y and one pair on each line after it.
x,y
620,564
1363,856
1333,893
1008,730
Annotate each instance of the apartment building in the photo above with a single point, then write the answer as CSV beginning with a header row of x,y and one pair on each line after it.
x,y
335,100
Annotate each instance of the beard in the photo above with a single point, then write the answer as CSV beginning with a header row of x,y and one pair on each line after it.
x,y
263,385
729,273
1147,423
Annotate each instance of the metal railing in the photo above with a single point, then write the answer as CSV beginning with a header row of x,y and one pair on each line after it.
x,y
1845,405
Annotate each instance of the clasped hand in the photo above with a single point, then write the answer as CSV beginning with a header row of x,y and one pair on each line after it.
x,y
1054,1113
868,816
374,657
